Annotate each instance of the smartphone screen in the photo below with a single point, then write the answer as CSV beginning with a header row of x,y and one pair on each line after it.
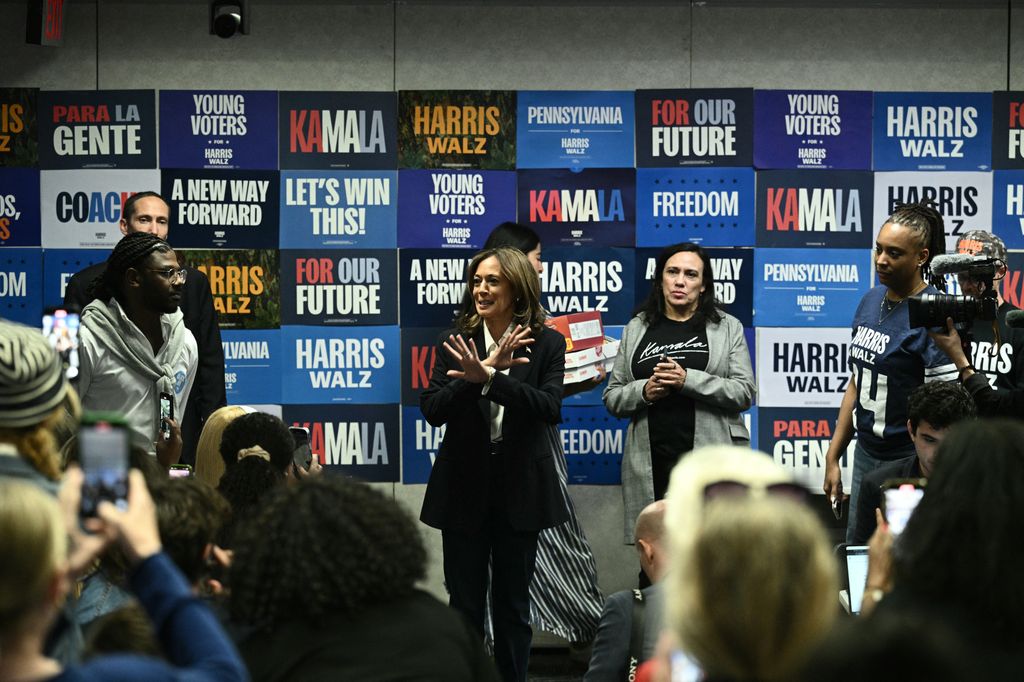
x,y
60,328
900,503
166,412
303,454
180,471
104,456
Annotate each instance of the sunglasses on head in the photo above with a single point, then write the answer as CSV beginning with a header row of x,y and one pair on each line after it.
x,y
723,489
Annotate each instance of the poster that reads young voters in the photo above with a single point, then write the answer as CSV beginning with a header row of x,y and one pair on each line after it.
x,y
814,208
244,284
1007,130
20,221
592,441
590,207
19,141
419,353
812,129
733,273
574,129
800,367
797,438
453,209
695,127
576,280
1007,207
706,206
222,129
431,283
809,287
351,286
457,129
360,441
252,365
932,131
81,209
97,129
420,445
963,199
21,285
338,130
359,365
223,209
1013,283
339,209
60,265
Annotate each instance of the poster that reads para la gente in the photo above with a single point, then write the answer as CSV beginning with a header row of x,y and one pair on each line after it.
x,y
359,365
222,129
1008,130
457,129
814,129
97,129
797,438
252,365
431,284
361,441
244,284
593,442
338,130
453,209
706,206
574,129
19,142
60,265
809,287
347,287
1007,207
81,209
223,209
590,207
695,127
21,285
20,222
932,131
814,208
577,280
799,367
336,209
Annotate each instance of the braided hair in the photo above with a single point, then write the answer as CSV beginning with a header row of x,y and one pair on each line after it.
x,y
922,219
132,250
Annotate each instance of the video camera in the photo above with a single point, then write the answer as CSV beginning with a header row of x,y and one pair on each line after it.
x,y
931,310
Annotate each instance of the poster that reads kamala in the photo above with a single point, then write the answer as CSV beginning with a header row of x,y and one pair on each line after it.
x,y
21,285
20,221
431,284
1007,130
574,129
97,129
932,131
698,127
338,130
223,209
60,265
453,209
19,142
733,273
419,353
81,209
814,208
590,207
1013,282
799,367
224,129
1007,207
252,365
797,438
457,129
336,209
593,441
809,287
352,286
244,284
706,206
812,129
360,441
576,280
341,365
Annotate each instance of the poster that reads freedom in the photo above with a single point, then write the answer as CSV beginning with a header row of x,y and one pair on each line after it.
x,y
574,129
932,131
336,209
696,127
457,129
82,208
453,209
732,270
1007,207
223,209
590,207
419,353
352,286
420,445
593,441
19,137
360,441
575,280
97,129
21,285
814,208
244,284
809,287
252,365
1007,130
60,265
338,130
223,129
816,129
797,438
799,367
20,222
358,365
431,283
706,206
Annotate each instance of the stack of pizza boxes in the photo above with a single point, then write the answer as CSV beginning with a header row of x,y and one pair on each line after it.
x,y
587,349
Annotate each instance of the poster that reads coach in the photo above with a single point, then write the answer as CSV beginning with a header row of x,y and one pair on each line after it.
x,y
223,209
20,222
252,365
698,127
457,129
932,131
733,272
244,285
341,365
814,208
797,438
815,129
338,209
1007,207
97,129
800,367
81,209
21,285
574,129
338,130
590,207
453,209
353,286
19,141
809,287
706,206
225,129
360,441
1008,130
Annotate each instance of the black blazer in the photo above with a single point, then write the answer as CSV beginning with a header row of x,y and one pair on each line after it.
x,y
457,493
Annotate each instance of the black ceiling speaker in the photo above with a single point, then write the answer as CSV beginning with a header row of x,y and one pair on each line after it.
x,y
229,18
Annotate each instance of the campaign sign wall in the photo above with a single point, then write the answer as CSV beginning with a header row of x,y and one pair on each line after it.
x,y
575,280
453,208
82,209
419,352
457,129
97,129
218,129
930,131
1007,130
19,207
591,207
244,283
800,367
21,285
797,438
963,199
338,209
19,144
592,441
593,396
697,127
223,208
706,206
420,444
353,286
338,130
341,365
1013,283
1007,207
814,208
574,129
812,129
252,365
750,421
353,440
60,265
431,283
809,287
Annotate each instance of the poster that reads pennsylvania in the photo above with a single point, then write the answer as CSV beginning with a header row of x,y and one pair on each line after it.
x,y
577,280
60,265
81,209
812,129
360,441
19,141
336,209
809,287
431,283
351,286
797,438
20,222
252,365
453,209
1007,130
21,286
732,270
244,284
590,207
457,129
932,131
97,129
359,365
574,129
338,130
706,206
223,209
1007,208
814,208
695,127
225,129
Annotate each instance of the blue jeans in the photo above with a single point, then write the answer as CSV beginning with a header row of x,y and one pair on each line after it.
x,y
863,463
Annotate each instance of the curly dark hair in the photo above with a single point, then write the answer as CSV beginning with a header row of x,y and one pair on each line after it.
x,y
190,515
324,547
940,403
653,308
130,252
245,486
262,429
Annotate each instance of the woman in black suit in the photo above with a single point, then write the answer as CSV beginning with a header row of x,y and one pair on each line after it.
x,y
496,385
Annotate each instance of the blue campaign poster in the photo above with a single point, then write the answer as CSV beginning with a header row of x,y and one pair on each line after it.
x,y
360,441
338,209
252,365
453,208
1008,207
798,438
574,129
815,208
1008,130
593,441
591,207
812,129
706,206
809,287
19,207
21,285
60,265
695,127
351,286
338,130
932,131
576,280
431,283
420,443
358,365
97,129
223,129
223,209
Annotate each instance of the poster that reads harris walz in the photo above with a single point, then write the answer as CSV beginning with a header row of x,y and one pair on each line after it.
x,y
337,130
244,284
457,129
97,129
18,131
707,127
218,129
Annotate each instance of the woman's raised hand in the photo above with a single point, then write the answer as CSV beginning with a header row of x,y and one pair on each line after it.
x,y
465,354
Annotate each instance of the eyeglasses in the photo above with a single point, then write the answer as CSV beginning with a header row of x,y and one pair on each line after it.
x,y
723,489
171,274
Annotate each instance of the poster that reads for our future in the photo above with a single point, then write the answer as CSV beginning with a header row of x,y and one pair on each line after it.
x,y
336,209
19,207
809,287
223,209
1007,130
932,131
574,129
224,129
812,129
814,208
453,209
19,145
252,365
696,127
457,129
81,209
97,129
358,365
797,438
706,206
590,207
353,286
360,441
244,284
338,130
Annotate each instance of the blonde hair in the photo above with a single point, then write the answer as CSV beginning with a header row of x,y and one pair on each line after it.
x,y
39,444
209,463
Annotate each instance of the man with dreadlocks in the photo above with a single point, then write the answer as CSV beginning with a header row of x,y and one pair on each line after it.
x,y
134,343
888,359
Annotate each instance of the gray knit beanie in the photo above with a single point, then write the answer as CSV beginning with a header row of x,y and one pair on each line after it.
x,y
32,382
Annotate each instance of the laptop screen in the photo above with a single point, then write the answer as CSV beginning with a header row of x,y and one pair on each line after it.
x,y
857,574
